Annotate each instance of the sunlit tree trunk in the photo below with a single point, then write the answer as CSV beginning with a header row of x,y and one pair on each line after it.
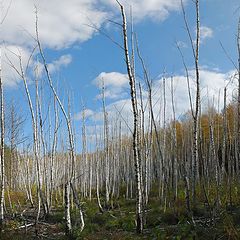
x,y
2,186
137,160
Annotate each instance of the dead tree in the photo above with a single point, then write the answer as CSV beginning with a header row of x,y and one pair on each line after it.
x,y
238,97
2,181
195,113
69,172
22,73
106,147
135,140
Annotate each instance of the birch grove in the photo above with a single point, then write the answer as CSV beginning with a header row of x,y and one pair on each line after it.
x,y
148,164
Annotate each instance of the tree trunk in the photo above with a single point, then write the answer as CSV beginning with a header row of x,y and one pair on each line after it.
x,y
139,204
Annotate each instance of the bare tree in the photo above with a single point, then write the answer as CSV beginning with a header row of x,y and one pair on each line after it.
x,y
238,97
195,114
69,174
137,159
2,180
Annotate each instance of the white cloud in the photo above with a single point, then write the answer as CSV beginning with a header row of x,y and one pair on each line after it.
x,y
120,109
9,56
114,79
88,113
212,81
61,23
205,32
157,10
114,83
63,61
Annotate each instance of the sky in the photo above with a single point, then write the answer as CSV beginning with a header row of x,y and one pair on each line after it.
x,y
80,57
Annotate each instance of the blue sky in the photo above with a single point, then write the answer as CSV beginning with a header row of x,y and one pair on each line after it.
x,y
78,55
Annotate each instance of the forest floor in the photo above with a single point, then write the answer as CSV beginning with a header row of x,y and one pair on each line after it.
x,y
173,222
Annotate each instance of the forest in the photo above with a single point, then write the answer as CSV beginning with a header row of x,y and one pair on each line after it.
x,y
148,176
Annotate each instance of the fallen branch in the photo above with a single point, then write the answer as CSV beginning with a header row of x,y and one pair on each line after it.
x,y
25,226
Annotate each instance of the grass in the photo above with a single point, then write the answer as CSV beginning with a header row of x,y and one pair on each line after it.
x,y
169,222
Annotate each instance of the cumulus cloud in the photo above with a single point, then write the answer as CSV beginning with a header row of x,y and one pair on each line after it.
x,y
157,10
115,79
114,83
60,23
205,33
212,85
63,61
88,113
10,56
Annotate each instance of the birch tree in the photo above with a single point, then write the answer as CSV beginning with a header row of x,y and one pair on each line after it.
x,y
2,181
195,44
137,157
